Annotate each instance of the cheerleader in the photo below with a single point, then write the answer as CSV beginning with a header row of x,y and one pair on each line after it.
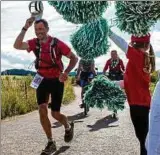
x,y
141,62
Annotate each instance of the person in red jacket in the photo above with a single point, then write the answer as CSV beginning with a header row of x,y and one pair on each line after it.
x,y
115,66
116,69
48,51
141,62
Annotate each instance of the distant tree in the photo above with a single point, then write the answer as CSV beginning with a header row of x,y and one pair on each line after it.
x,y
154,77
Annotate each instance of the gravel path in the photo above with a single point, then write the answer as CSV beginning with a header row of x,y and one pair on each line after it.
x,y
96,134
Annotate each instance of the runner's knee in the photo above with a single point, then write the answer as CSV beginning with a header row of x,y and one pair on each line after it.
x,y
43,109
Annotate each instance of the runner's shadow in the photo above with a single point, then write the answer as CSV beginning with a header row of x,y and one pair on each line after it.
x,y
103,123
61,150
76,118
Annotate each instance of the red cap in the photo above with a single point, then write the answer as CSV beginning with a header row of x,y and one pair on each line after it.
x,y
145,38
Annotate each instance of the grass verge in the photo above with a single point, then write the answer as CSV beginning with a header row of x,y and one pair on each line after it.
x,y
19,98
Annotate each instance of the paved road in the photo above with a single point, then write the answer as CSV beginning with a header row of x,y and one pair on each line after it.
x,y
96,134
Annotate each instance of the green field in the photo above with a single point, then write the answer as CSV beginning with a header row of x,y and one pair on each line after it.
x,y
19,98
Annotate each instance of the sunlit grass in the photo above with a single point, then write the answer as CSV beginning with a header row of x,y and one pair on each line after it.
x,y
19,98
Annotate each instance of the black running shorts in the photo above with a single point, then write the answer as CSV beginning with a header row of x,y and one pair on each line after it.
x,y
53,87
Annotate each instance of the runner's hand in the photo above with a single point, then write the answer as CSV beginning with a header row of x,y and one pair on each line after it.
x,y
29,22
63,77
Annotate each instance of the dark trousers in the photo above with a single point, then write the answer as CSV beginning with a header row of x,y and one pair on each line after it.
x,y
139,117
115,75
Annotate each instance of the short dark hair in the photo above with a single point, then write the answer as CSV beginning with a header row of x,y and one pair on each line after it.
x,y
45,23
114,51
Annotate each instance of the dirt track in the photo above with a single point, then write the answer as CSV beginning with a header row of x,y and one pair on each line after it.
x,y
96,134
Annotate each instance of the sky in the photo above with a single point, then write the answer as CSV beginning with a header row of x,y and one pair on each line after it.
x,y
13,18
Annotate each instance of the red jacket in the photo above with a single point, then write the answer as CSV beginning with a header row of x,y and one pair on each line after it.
x,y
119,67
136,81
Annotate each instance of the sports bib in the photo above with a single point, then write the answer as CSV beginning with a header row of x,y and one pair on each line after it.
x,y
36,81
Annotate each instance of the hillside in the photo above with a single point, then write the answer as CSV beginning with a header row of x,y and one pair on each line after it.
x,y
22,72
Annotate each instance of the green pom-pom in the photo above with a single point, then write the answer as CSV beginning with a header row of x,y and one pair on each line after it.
x,y
85,62
91,40
102,92
80,11
136,17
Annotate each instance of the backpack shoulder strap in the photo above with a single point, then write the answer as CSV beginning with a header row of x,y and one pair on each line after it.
x,y
53,53
52,49
37,53
54,42
38,48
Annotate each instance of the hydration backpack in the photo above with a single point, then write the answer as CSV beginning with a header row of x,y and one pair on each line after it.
x,y
53,56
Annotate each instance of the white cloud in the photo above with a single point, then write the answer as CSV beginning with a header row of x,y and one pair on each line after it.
x,y
155,40
6,64
157,63
14,15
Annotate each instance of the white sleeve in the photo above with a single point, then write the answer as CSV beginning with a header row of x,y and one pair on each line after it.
x,y
154,123
158,148
120,83
120,42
